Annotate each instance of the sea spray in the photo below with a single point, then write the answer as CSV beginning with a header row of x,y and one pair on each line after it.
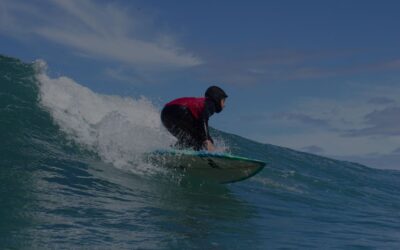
x,y
119,129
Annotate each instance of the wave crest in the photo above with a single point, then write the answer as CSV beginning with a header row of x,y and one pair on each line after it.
x,y
119,129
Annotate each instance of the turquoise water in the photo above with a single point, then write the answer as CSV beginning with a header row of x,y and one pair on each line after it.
x,y
71,177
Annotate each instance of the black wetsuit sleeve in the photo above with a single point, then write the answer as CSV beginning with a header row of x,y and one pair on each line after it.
x,y
209,110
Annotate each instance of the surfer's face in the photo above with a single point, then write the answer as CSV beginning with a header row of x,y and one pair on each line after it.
x,y
222,103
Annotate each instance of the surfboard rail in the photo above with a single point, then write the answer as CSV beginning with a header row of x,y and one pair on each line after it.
x,y
212,166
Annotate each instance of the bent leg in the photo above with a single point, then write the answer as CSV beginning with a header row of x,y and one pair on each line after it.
x,y
180,122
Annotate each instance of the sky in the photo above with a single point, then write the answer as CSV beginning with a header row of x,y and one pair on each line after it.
x,y
321,77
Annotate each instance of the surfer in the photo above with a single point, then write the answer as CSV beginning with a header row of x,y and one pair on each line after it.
x,y
186,118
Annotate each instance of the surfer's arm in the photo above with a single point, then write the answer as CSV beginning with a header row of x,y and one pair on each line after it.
x,y
206,131
208,142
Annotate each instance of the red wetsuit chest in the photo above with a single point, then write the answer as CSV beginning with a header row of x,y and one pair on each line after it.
x,y
194,104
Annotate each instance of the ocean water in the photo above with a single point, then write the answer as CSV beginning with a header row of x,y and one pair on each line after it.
x,y
72,177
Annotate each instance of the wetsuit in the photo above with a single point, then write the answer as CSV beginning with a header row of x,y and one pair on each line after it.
x,y
187,119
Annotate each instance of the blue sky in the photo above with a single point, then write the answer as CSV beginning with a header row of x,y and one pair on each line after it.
x,y
316,76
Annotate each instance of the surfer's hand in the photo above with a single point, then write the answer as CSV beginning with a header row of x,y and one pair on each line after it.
x,y
209,145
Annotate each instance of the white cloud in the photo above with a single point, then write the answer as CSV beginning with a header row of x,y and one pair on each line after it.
x,y
301,118
356,112
125,75
328,123
380,122
334,144
383,161
100,30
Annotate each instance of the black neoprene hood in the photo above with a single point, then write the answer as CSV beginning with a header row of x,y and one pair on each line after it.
x,y
216,94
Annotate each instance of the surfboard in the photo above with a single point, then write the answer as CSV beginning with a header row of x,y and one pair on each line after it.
x,y
216,167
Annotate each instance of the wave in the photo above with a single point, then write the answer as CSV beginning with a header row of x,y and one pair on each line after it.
x,y
66,149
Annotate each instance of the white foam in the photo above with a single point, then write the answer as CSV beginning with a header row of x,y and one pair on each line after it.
x,y
119,129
